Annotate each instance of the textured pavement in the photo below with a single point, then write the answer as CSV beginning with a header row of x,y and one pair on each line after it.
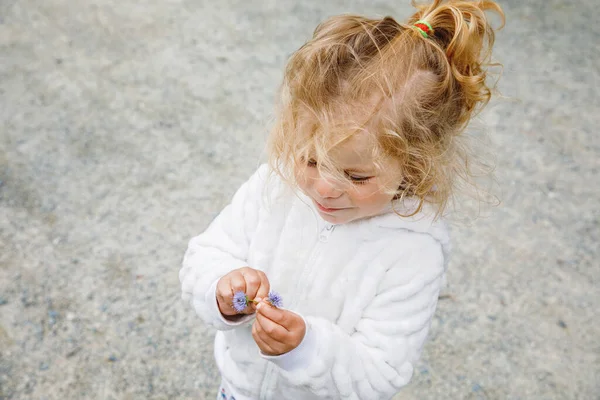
x,y
125,126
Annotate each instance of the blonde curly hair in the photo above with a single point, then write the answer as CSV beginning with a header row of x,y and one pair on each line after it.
x,y
413,95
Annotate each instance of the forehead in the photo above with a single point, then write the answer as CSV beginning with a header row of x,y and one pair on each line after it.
x,y
342,134
355,152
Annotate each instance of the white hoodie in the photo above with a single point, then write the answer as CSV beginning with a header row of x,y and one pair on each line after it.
x,y
367,290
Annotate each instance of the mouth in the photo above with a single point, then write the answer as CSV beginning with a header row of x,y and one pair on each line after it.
x,y
325,209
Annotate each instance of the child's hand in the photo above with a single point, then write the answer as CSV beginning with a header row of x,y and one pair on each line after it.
x,y
277,331
248,280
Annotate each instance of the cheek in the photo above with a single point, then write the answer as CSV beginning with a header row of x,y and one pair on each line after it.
x,y
370,196
302,178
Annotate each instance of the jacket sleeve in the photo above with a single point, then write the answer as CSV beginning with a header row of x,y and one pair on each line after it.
x,y
377,359
221,248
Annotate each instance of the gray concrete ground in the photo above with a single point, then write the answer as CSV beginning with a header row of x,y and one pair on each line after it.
x,y
127,125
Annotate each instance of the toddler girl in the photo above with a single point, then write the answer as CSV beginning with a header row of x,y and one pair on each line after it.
x,y
344,220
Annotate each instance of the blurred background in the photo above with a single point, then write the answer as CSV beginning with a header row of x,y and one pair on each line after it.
x,y
125,127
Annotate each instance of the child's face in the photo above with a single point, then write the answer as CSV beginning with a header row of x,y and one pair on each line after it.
x,y
364,196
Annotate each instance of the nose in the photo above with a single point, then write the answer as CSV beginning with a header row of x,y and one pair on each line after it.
x,y
326,188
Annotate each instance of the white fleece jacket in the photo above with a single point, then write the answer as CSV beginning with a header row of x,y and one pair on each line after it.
x,y
367,290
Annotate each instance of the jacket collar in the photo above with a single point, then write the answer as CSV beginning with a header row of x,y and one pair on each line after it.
x,y
423,222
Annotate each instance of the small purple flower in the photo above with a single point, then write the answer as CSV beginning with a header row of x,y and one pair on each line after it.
x,y
240,301
275,299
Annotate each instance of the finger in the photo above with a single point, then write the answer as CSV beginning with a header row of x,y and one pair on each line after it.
x,y
264,347
224,297
253,282
238,284
265,286
272,341
272,329
276,315
262,343
223,287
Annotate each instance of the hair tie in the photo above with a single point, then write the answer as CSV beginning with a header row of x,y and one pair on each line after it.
x,y
424,27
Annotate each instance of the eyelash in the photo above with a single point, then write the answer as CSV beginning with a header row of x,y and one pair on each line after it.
x,y
358,181
355,180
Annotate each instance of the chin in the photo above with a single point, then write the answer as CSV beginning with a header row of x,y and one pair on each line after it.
x,y
332,219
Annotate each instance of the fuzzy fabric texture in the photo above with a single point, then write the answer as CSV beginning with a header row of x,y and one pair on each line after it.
x,y
367,290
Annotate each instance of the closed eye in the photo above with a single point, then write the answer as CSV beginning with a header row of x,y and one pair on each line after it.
x,y
359,180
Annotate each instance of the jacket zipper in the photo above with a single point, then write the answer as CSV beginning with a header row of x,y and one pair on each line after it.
x,y
326,233
264,388
324,236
